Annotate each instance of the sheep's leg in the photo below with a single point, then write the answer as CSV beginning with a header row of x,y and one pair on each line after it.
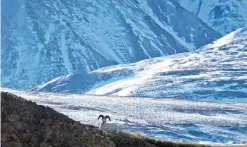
x,y
118,129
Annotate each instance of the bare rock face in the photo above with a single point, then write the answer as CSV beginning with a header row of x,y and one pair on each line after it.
x,y
223,16
26,124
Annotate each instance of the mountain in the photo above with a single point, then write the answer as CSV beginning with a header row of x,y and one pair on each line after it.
x,y
46,39
217,71
224,16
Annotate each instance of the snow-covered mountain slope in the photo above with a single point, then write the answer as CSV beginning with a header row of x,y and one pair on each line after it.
x,y
179,120
45,39
224,16
217,71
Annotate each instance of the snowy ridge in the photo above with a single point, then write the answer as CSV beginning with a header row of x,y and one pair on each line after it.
x,y
217,71
46,39
224,16
177,120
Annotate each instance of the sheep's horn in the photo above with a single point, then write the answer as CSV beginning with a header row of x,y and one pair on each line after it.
x,y
108,117
101,116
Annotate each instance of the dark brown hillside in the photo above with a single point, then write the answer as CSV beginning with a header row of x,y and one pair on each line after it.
x,y
25,124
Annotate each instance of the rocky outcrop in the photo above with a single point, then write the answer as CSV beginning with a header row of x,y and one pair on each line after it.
x,y
26,124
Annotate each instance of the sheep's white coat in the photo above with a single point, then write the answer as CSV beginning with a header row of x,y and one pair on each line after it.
x,y
112,127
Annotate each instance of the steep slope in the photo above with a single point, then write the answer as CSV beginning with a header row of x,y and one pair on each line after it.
x,y
217,71
45,39
224,16
44,127
169,119
24,123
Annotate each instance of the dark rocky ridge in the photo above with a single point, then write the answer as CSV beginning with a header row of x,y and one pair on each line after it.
x,y
25,124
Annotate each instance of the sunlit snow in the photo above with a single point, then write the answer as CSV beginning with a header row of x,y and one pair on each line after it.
x,y
217,72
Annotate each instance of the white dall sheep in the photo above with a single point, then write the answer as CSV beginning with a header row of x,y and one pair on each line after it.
x,y
112,127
